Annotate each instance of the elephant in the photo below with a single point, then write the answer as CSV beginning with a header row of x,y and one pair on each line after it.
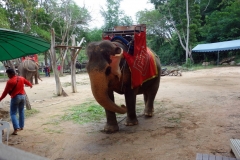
x,y
80,66
104,82
29,69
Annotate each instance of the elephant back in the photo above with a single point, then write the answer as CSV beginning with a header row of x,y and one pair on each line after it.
x,y
30,65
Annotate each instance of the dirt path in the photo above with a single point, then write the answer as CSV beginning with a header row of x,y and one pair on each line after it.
x,y
196,113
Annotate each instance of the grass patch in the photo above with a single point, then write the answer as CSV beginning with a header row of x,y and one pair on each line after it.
x,y
174,120
84,113
54,122
66,84
199,66
52,131
31,112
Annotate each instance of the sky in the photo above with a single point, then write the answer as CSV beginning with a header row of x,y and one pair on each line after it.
x,y
130,7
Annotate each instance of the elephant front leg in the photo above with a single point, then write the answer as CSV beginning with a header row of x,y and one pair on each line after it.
x,y
130,99
111,125
36,78
31,79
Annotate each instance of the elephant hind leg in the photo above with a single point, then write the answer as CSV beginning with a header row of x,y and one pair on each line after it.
x,y
149,97
149,102
130,99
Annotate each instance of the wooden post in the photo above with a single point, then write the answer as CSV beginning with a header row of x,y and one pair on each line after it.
x,y
73,65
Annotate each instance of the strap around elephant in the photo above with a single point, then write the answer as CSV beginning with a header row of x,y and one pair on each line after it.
x,y
13,87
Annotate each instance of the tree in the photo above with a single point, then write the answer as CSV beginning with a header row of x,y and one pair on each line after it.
x,y
71,19
184,26
158,31
113,16
222,24
3,18
20,14
94,34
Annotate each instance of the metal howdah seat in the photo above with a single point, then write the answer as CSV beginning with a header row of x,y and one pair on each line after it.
x,y
124,34
125,30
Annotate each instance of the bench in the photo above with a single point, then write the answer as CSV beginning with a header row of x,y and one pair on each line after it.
x,y
201,156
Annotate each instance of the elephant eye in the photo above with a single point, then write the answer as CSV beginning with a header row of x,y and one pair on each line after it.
x,y
108,71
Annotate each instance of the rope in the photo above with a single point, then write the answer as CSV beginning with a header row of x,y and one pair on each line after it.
x,y
26,67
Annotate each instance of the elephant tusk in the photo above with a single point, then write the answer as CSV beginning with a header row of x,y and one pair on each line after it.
x,y
120,54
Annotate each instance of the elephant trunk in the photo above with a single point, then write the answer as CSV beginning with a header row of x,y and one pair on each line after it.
x,y
99,85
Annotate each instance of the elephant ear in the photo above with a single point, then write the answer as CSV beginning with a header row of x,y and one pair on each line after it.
x,y
115,69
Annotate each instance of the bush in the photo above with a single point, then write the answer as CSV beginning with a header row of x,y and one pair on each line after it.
x,y
188,64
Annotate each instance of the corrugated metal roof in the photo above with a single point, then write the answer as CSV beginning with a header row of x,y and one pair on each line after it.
x,y
219,46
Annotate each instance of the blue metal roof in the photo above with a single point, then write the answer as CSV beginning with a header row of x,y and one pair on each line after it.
x,y
219,46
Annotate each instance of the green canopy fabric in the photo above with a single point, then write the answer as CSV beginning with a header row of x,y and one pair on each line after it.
x,y
15,44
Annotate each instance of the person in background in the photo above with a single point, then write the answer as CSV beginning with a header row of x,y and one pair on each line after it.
x,y
45,70
15,88
48,71
59,68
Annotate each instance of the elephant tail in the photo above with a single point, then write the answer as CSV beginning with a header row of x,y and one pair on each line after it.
x,y
26,64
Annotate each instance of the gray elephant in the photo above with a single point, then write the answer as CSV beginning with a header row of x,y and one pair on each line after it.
x,y
106,79
29,69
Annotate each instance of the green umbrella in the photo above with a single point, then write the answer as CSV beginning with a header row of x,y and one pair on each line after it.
x,y
15,44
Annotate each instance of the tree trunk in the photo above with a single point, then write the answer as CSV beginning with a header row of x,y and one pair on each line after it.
x,y
45,58
68,62
63,57
11,65
187,42
73,72
59,88
74,54
73,64
28,105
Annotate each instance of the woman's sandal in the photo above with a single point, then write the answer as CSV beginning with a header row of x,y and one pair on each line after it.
x,y
15,131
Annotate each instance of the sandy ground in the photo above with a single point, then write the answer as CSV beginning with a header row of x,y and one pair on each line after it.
x,y
196,113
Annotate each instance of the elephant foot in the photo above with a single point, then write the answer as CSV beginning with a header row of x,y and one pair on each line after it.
x,y
131,122
111,128
148,113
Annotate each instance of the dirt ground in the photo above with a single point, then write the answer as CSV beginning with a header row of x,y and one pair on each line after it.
x,y
196,113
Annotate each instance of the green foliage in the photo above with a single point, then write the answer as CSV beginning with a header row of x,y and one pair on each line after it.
x,y
82,57
31,112
94,34
223,24
41,32
156,27
172,27
84,113
188,64
3,19
210,21
113,16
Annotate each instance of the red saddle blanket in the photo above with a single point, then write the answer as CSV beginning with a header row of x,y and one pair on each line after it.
x,y
142,66
142,63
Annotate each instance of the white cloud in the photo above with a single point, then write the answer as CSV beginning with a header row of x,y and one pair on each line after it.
x,y
130,7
